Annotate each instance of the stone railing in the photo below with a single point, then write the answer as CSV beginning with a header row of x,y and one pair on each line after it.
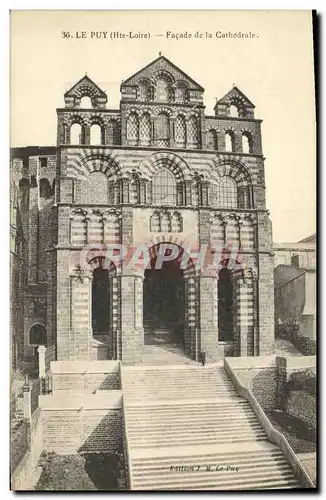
x,y
273,435
126,449
35,392
45,356
19,439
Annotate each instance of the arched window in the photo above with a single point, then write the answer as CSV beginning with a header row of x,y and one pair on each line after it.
x,y
164,188
233,111
162,91
163,126
96,135
145,132
192,131
37,335
76,134
229,141
181,94
180,131
86,102
227,193
133,129
144,91
165,223
113,132
212,139
246,143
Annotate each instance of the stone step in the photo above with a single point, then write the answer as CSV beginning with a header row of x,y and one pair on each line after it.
x,y
215,416
201,453
232,480
174,476
162,466
134,431
200,440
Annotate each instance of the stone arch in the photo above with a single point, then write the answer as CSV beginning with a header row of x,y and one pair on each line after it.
x,y
237,171
171,161
78,227
82,163
37,334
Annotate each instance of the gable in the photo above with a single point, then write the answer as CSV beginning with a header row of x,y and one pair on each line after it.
x,y
85,86
235,95
163,65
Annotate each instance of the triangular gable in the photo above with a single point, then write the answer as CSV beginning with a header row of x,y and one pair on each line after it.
x,y
235,94
163,64
85,81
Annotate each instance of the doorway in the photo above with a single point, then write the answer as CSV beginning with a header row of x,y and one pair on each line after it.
x,y
163,304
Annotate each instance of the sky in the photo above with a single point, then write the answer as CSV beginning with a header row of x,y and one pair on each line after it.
x,y
274,69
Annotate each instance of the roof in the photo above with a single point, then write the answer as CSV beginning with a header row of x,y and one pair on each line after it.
x,y
85,80
309,239
235,92
168,64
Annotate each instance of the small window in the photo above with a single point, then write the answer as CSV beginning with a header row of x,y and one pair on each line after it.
x,y
43,162
229,142
233,111
86,102
246,143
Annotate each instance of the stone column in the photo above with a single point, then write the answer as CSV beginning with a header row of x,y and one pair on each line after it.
x,y
191,341
132,332
188,190
81,314
243,300
208,314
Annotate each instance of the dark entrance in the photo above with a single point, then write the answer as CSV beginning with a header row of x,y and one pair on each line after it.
x,y
100,299
225,306
164,297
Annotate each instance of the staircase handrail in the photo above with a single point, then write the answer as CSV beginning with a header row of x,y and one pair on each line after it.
x,y
275,436
126,447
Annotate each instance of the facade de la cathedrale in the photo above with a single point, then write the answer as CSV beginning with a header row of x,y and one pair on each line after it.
x,y
141,243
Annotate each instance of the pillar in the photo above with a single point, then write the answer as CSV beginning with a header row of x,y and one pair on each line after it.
x,y
244,316
208,315
81,315
132,332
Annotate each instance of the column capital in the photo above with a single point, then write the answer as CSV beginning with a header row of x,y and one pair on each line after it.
x,y
80,274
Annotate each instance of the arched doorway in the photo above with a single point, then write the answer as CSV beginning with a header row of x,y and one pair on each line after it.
x,y
164,303
102,296
169,299
225,306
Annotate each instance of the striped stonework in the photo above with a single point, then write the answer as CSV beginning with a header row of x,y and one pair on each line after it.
x,y
244,316
95,228
80,317
247,234
78,228
232,232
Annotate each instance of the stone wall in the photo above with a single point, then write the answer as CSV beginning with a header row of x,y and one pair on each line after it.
x,y
24,476
302,405
82,424
259,374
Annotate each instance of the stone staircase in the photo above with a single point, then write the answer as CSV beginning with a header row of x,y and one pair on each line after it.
x,y
188,429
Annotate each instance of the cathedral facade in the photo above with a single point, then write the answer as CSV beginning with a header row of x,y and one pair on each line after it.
x,y
145,225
